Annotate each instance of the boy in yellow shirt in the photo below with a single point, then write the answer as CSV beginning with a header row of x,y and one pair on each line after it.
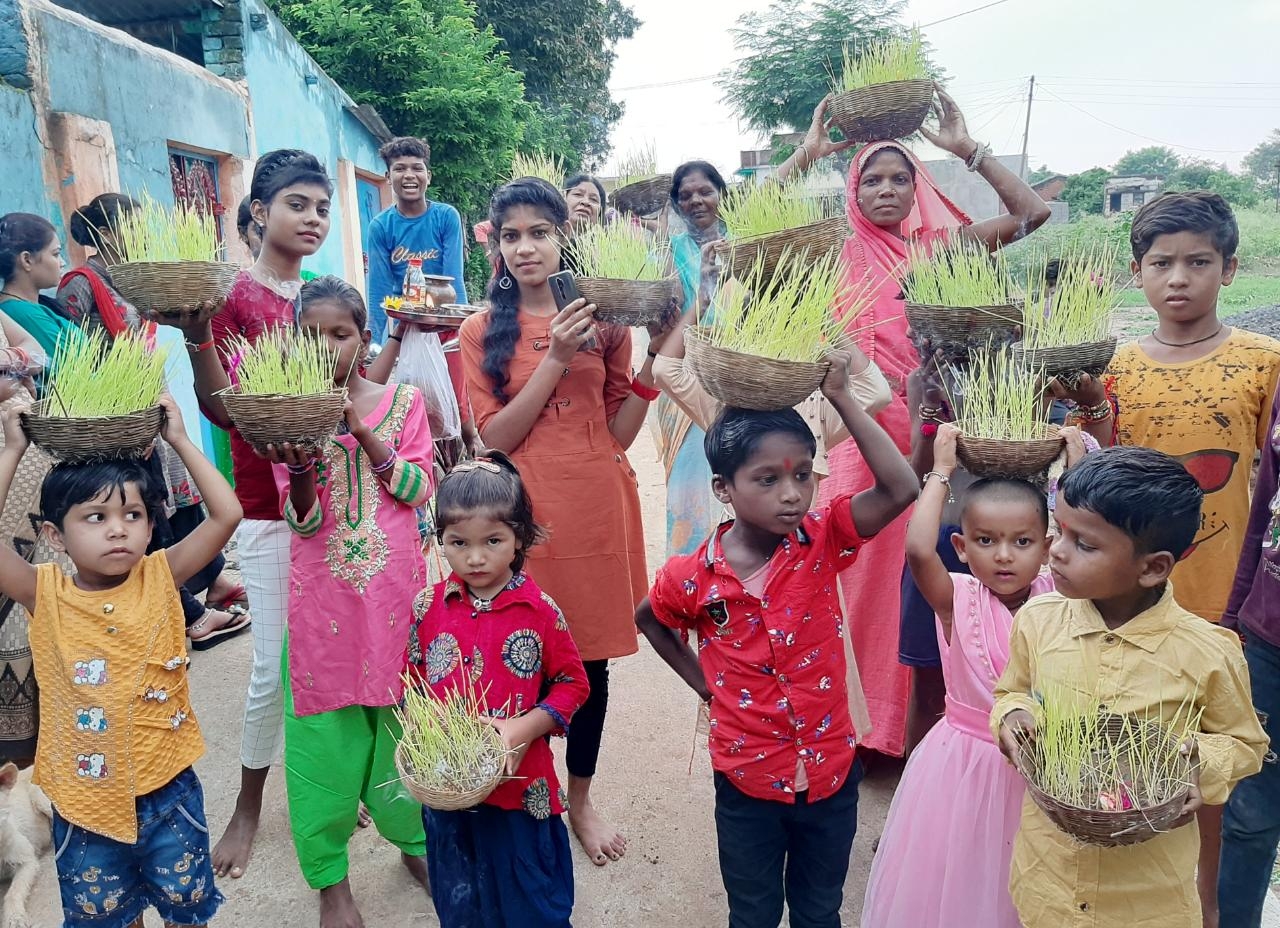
x,y
117,733
1113,631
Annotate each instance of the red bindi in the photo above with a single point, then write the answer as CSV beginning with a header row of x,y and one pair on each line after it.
x,y
786,462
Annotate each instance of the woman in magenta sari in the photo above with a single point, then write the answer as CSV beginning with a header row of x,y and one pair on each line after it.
x,y
894,206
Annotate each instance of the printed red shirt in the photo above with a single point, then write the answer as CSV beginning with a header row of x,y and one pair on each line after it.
x,y
252,309
775,666
517,651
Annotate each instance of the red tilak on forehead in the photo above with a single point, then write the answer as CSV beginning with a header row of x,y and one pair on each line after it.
x,y
786,462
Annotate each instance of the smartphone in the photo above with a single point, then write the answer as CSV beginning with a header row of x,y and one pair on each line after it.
x,y
564,287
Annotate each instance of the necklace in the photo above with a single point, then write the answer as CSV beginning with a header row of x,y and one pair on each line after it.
x,y
11,295
1214,334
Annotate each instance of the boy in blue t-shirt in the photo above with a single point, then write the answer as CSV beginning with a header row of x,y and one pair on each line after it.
x,y
414,227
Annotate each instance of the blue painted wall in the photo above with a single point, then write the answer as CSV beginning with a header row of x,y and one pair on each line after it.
x,y
21,180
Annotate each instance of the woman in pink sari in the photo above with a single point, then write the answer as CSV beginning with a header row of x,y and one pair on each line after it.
x,y
894,206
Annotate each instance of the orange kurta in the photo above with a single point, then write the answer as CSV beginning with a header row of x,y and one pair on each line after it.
x,y
583,487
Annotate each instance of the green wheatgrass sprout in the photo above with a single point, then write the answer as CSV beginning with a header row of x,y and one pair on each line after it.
x,y
152,232
283,363
768,207
549,167
897,59
446,745
638,164
1077,764
1082,306
790,317
620,251
999,398
97,376
958,274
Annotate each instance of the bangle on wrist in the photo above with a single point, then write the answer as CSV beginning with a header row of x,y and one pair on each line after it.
x,y
193,348
298,470
395,338
648,394
390,462
943,479
1099,412
980,152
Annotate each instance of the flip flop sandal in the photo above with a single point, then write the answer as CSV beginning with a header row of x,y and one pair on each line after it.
x,y
242,621
237,597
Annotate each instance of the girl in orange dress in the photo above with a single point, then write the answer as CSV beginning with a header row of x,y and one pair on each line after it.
x,y
554,390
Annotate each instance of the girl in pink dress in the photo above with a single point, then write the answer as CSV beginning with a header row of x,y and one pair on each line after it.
x,y
944,855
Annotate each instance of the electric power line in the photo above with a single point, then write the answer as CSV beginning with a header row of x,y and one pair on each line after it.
x,y
1096,118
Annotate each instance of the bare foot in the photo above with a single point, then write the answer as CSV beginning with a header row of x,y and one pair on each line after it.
x,y
417,867
598,838
231,854
338,908
364,819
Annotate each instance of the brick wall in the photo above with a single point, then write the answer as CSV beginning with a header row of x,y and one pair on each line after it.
x,y
223,38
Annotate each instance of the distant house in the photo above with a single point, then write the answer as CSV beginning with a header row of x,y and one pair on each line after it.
x,y
1050,188
1125,194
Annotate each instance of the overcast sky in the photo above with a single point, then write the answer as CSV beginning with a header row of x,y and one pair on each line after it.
x,y
1111,75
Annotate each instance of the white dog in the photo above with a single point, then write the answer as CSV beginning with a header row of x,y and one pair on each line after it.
x,y
26,834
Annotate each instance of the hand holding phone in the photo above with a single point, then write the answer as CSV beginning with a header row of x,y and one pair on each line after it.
x,y
564,287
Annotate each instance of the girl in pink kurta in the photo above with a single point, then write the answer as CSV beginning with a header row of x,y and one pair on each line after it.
x,y
356,568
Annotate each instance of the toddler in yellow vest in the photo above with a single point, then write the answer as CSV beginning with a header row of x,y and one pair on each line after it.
x,y
117,732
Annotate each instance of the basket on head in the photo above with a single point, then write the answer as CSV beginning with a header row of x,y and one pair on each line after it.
x,y
815,241
998,457
1102,827
882,111
273,419
644,197
450,800
629,302
1068,362
171,292
959,330
749,382
80,440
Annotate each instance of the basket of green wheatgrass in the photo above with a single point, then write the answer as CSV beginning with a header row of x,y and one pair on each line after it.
x,y
768,220
448,756
641,190
765,348
1105,778
960,298
170,268
620,270
538,164
284,391
1067,326
883,91
102,400
1003,418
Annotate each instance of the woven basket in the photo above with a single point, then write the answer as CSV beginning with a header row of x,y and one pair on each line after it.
x,y
815,241
1099,826
273,419
77,441
629,302
449,800
1068,362
995,457
882,111
748,382
959,330
170,292
644,197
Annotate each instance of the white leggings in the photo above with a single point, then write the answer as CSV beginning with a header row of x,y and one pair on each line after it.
x,y
263,547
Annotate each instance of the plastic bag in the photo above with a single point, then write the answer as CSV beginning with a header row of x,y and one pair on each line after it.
x,y
422,364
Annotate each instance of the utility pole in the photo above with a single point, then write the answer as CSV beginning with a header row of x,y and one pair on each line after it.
x,y
1026,129
1278,186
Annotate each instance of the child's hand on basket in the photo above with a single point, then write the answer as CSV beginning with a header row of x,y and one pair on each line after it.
x,y
15,438
289,454
172,429
516,738
1190,749
836,381
1016,729
944,448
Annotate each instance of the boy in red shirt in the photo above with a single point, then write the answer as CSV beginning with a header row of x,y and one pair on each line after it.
x,y
761,594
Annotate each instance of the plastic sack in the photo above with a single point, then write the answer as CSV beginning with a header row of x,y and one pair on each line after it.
x,y
421,364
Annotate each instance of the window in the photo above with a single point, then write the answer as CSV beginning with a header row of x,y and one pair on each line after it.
x,y
195,184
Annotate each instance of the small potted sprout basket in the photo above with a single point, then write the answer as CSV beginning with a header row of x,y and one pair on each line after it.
x,y
1001,417
766,346
171,272
1067,327
641,190
884,92
1107,779
284,391
958,298
538,164
771,219
623,274
101,402
448,757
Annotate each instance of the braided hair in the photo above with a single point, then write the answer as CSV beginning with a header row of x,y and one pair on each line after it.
x,y
283,168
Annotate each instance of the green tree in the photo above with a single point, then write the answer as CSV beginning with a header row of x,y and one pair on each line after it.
x,y
565,49
1044,172
1263,163
1152,161
1237,189
791,50
1083,192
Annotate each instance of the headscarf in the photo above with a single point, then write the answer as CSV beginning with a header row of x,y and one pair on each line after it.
x,y
875,255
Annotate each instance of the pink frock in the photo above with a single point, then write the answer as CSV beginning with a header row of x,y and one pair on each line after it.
x,y
944,855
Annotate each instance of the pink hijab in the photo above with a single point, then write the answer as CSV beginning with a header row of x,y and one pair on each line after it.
x,y
873,254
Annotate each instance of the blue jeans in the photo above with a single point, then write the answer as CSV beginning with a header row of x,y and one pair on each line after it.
x,y
771,852
1251,822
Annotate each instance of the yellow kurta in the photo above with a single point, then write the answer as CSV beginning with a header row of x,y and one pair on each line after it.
x,y
1211,414
1148,668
